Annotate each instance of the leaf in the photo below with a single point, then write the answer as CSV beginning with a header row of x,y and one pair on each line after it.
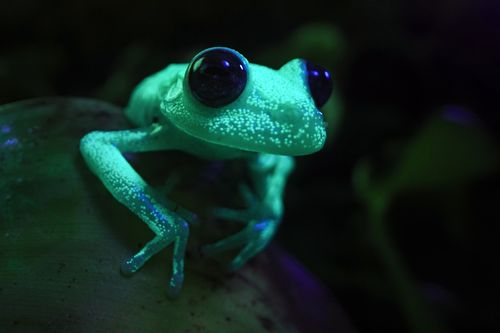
x,y
445,154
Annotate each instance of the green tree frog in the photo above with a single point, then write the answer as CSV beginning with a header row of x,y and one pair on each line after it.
x,y
219,106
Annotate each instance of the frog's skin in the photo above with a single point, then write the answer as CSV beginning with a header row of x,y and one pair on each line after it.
x,y
273,119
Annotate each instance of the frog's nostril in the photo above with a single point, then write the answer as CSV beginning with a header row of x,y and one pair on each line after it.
x,y
320,83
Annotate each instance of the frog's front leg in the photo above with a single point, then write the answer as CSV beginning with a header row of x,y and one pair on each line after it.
x,y
261,219
103,153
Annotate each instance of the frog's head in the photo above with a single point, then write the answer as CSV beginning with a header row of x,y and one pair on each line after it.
x,y
223,99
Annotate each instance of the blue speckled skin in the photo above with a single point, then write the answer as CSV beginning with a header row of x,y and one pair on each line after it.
x,y
274,118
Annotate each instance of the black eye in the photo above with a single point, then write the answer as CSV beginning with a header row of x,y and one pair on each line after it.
x,y
320,83
217,76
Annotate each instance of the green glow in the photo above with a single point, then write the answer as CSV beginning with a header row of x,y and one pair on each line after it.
x,y
274,118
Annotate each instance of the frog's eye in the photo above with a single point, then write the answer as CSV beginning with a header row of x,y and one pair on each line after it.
x,y
320,83
217,76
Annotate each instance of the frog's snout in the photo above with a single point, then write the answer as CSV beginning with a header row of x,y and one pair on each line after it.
x,y
311,136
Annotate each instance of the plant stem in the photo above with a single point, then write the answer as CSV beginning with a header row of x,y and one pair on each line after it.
x,y
415,311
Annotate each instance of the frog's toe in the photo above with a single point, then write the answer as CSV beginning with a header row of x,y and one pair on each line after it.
x,y
255,244
175,285
231,214
246,254
128,268
133,264
228,243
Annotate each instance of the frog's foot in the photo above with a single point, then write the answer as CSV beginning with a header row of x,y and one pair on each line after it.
x,y
157,244
254,237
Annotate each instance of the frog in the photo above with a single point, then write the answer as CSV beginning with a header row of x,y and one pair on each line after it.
x,y
219,106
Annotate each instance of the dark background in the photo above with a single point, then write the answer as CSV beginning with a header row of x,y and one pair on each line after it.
x,y
415,81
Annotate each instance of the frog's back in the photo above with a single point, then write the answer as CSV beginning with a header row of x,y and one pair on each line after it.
x,y
144,104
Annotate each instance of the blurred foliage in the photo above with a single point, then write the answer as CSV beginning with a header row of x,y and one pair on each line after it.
x,y
444,154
